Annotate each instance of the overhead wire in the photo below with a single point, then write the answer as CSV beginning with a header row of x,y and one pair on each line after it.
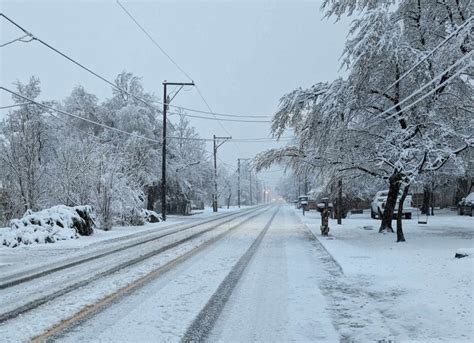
x,y
405,74
221,119
424,58
15,105
185,74
15,40
150,37
90,71
244,140
112,84
425,95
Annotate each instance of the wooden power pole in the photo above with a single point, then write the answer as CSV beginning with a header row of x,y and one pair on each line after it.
x,y
216,146
166,102
238,182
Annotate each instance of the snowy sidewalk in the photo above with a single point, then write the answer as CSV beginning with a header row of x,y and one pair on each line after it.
x,y
417,288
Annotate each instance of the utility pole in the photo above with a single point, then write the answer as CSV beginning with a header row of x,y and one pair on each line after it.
x,y
166,102
250,184
238,182
216,146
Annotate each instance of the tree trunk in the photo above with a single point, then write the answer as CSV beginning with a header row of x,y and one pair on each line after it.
x,y
400,236
393,189
425,207
339,202
432,201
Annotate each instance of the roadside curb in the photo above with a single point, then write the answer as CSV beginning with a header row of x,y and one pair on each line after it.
x,y
318,241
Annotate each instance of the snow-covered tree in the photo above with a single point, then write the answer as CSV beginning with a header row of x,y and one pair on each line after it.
x,y
387,120
23,152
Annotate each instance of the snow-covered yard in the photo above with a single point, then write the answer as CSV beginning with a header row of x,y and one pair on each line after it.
x,y
418,287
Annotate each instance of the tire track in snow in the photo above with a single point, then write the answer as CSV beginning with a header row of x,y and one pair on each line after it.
x,y
199,330
62,328
17,279
8,315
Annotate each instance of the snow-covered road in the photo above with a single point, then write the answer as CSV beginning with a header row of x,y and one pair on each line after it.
x,y
163,309
278,298
274,297
45,301
263,275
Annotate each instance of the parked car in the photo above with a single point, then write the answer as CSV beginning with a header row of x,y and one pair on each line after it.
x,y
378,205
466,205
302,201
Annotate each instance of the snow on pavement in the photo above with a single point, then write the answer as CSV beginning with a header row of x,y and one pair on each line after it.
x,y
14,260
33,323
278,298
415,290
163,309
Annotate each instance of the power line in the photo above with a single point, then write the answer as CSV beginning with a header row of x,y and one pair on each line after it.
x,y
79,117
115,86
185,73
16,40
15,105
182,71
405,74
221,119
244,140
426,85
429,54
426,95
153,41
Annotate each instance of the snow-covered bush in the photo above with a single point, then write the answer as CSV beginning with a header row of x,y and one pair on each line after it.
x,y
49,225
151,216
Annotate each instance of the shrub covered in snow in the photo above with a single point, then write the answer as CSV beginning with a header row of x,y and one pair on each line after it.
x,y
49,225
151,216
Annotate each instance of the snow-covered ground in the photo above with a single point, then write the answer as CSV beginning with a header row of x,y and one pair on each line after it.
x,y
33,323
277,298
26,257
357,285
162,310
415,290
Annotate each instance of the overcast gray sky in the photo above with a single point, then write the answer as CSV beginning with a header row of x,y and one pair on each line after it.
x,y
244,55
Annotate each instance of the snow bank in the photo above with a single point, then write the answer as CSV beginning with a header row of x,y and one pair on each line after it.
x,y
49,225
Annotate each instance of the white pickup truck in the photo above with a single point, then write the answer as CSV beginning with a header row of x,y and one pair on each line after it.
x,y
378,205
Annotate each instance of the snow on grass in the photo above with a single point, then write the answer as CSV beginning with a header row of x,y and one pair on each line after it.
x,y
422,291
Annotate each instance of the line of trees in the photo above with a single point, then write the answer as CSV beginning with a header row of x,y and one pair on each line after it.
x,y
361,128
47,158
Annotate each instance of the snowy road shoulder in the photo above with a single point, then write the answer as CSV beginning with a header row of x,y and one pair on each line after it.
x,y
422,291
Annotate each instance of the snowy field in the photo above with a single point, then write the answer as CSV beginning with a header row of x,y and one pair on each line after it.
x,y
415,290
